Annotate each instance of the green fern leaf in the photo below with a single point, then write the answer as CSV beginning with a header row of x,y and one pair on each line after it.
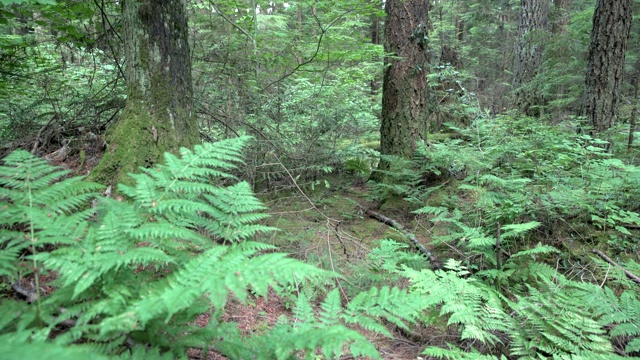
x,y
331,307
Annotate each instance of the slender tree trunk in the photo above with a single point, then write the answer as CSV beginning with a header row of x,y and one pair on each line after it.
x,y
404,89
562,13
605,70
634,112
529,50
158,113
374,84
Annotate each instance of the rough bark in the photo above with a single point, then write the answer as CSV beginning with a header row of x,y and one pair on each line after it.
x,y
529,50
158,113
605,69
404,89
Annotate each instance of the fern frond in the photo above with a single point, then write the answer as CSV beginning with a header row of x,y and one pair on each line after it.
x,y
539,249
15,346
330,308
514,230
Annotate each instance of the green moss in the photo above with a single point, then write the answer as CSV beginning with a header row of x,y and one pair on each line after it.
x,y
136,140
83,159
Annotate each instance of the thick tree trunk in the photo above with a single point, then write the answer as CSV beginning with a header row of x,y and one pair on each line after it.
x,y
611,28
529,50
158,114
404,88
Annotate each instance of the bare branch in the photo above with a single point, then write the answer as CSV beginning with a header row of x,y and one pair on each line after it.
x,y
628,273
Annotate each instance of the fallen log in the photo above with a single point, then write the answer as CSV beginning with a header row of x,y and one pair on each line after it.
x,y
628,273
435,264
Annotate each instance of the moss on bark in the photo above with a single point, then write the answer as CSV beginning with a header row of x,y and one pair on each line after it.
x,y
158,116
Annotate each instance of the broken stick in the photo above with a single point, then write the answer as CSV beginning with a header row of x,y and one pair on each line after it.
x,y
629,274
396,225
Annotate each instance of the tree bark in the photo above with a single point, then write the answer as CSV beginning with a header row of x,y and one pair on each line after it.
x,y
158,114
561,15
404,88
605,70
374,84
529,50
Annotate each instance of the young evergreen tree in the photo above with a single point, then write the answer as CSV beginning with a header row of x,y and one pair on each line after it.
x,y
404,89
605,70
158,114
529,50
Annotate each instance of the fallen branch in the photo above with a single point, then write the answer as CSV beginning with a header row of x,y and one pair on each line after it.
x,y
629,274
435,264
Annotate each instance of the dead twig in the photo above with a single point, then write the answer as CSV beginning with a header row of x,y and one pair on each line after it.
x,y
435,264
628,273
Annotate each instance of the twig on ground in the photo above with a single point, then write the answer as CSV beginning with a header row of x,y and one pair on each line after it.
x,y
435,264
628,273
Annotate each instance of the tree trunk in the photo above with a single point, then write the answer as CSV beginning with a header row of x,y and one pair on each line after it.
x,y
374,84
158,113
561,15
611,28
404,88
529,48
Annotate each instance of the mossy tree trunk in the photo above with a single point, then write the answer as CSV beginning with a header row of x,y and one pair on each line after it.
x,y
605,69
158,113
404,88
532,29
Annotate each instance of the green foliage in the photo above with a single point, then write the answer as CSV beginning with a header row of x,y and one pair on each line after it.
x,y
39,208
515,178
299,77
131,276
58,84
512,186
549,316
328,329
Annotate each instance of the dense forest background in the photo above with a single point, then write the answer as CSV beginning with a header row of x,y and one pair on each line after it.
x,y
242,179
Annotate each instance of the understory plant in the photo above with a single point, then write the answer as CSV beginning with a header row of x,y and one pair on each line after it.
x,y
536,313
127,276
516,202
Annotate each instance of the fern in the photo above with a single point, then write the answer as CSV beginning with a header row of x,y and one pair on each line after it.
x,y
548,316
625,319
467,302
560,317
37,211
133,275
330,330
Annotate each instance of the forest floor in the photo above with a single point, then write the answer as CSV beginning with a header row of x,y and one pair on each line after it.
x,y
325,226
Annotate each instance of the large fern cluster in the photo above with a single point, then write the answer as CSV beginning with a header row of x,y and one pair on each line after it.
x,y
131,276
546,316
516,184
